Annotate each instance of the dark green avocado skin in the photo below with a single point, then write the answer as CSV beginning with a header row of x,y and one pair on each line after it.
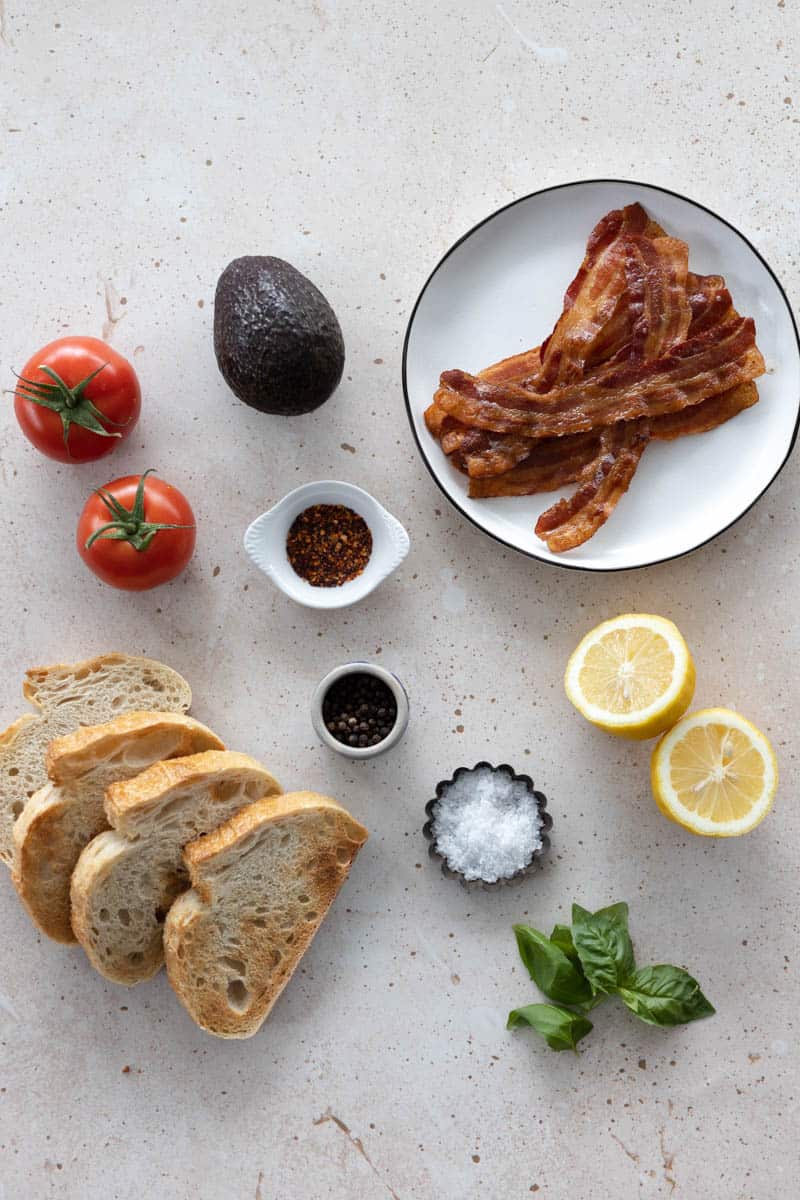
x,y
278,343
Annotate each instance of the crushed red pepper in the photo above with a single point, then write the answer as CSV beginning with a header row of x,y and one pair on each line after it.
x,y
328,544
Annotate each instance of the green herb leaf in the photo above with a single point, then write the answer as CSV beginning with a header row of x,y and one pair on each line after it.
x,y
615,912
603,945
562,937
560,1028
550,969
665,995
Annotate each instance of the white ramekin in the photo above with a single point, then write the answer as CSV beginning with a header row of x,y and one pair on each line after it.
x,y
400,698
265,542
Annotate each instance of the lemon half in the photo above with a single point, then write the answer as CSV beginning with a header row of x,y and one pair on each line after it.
x,y
632,676
714,773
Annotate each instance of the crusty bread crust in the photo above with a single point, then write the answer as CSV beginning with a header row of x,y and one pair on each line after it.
x,y
73,755
42,682
58,821
9,736
130,804
68,695
262,884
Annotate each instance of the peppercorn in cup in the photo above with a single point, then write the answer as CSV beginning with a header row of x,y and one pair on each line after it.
x,y
360,710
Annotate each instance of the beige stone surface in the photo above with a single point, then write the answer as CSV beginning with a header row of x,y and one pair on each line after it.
x,y
141,147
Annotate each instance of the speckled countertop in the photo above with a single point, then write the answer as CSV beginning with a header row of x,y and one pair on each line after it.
x,y
141,147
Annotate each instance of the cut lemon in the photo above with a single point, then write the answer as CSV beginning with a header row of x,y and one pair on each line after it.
x,y
632,676
714,773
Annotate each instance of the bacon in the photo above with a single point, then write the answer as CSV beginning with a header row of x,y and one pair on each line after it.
x,y
702,366
513,369
596,325
644,350
556,462
436,418
551,463
570,523
660,316
598,272
656,270
708,415
710,302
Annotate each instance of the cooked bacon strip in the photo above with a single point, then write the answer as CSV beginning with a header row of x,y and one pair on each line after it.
x,y
551,463
710,302
513,369
570,523
436,418
700,367
527,476
475,451
707,415
571,454
656,270
594,288
597,326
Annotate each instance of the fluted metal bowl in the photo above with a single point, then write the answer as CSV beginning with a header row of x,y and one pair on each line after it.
x,y
481,884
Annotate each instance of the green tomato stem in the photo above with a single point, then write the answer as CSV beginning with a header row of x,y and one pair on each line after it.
x,y
129,524
69,403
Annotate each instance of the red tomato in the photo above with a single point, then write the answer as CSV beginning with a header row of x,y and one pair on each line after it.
x,y
136,532
77,399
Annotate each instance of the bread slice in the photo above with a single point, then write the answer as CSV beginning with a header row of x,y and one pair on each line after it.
x,y
262,884
63,816
126,879
83,693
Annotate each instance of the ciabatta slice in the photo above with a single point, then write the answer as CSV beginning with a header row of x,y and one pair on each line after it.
x,y
262,884
67,696
126,879
63,816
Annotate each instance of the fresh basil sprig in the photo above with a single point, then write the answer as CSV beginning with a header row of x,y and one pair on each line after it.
x,y
581,966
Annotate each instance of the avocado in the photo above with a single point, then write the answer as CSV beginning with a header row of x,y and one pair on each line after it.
x,y
278,343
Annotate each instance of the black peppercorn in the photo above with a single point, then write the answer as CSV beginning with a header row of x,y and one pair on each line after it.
x,y
359,710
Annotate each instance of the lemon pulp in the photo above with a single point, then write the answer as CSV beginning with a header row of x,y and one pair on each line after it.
x,y
632,676
714,774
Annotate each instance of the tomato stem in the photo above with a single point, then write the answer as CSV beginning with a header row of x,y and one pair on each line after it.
x,y
129,524
71,404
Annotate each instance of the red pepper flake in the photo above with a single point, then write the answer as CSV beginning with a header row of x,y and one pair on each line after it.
x,y
328,544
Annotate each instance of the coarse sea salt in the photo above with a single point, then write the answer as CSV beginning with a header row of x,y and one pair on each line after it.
x,y
486,825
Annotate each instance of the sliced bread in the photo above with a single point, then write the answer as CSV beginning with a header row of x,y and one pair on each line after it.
x,y
67,696
63,816
126,879
261,885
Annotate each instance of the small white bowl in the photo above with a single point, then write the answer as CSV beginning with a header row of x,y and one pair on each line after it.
x,y
395,687
265,542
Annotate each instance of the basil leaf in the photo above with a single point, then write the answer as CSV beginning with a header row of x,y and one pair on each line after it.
x,y
550,969
562,937
665,995
615,912
604,946
560,1028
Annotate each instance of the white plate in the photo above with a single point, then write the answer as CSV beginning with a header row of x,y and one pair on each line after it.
x,y
498,291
